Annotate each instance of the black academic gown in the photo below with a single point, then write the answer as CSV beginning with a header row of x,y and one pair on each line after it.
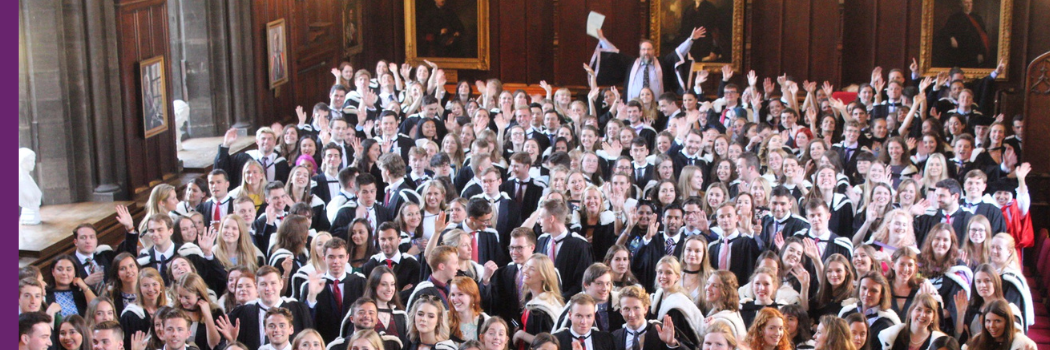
x,y
651,339
599,339
530,198
990,212
744,252
501,294
327,316
213,273
573,256
234,163
785,228
923,224
207,209
248,315
644,264
407,270
347,214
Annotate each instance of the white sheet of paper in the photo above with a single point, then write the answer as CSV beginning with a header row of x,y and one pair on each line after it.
x,y
594,22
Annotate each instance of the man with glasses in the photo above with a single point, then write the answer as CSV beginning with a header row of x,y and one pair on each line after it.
x,y
485,241
500,284
505,212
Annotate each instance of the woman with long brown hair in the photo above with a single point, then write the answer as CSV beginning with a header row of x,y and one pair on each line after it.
x,y
193,299
919,329
835,288
721,302
391,317
832,333
940,264
999,330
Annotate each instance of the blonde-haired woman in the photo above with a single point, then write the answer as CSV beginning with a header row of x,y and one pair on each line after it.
x,y
541,295
1003,256
309,339
832,333
896,230
936,169
720,336
235,245
162,200
462,242
253,181
594,222
428,326
149,297
671,300
316,263
691,181
193,299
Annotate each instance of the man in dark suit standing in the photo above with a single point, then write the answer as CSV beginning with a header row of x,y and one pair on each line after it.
x,y
398,191
947,195
92,260
251,314
485,241
330,295
978,203
326,184
638,332
734,251
582,320
783,222
274,166
164,250
522,188
405,266
365,206
571,253
391,141
265,226
503,283
506,212
668,242
219,185
964,160
849,147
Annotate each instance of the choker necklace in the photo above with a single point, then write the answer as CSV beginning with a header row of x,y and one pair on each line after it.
x,y
693,272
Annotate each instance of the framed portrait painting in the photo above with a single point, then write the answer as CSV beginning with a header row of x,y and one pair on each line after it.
x,y
154,96
671,22
276,46
972,35
451,33
352,27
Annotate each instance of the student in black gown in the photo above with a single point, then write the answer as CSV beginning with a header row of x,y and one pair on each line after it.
x,y
580,330
905,281
919,328
939,262
427,326
671,300
542,298
874,298
640,333
149,297
835,288
764,284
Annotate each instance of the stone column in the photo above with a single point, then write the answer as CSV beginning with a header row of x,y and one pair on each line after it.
x,y
108,188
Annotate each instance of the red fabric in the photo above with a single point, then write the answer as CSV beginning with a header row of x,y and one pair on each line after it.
x,y
845,96
524,322
1019,226
980,30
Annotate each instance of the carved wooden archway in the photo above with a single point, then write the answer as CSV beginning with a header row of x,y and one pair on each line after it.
x,y
1037,114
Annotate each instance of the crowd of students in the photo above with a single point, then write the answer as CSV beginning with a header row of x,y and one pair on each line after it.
x,y
397,215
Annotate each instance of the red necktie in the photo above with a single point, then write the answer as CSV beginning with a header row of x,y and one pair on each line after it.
x,y
474,246
216,216
390,264
338,295
947,219
554,249
387,200
723,255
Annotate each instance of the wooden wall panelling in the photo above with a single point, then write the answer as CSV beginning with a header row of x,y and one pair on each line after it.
x,y
142,34
766,33
796,39
513,43
539,41
314,43
825,41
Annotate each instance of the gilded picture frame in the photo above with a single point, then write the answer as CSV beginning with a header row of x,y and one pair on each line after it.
x,y
352,36
665,20
277,52
943,47
154,96
431,33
